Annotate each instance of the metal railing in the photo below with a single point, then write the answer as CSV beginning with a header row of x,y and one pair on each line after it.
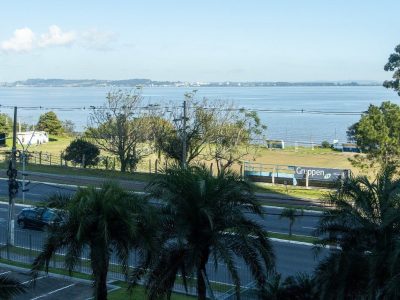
x,y
29,243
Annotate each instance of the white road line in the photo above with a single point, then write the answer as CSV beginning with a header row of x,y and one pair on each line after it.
x,y
4,273
28,281
306,227
52,292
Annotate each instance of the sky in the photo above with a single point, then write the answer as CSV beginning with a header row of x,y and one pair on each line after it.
x,y
208,40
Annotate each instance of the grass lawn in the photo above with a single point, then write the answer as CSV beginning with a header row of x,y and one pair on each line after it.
x,y
304,156
293,191
293,237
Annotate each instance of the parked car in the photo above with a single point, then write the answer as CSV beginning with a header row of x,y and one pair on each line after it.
x,y
39,217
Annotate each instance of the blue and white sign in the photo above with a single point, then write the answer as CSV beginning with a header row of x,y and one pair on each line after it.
x,y
324,174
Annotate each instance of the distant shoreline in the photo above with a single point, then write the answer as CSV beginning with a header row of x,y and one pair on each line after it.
x,y
132,83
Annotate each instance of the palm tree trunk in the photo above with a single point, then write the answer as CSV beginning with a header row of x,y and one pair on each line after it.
x,y
101,286
201,285
99,261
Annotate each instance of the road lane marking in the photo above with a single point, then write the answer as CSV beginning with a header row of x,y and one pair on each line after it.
x,y
52,292
4,273
28,281
307,227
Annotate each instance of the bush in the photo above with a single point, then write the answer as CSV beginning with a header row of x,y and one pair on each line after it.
x,y
82,152
325,144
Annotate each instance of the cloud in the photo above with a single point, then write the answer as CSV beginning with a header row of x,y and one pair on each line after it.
x,y
97,40
56,37
23,40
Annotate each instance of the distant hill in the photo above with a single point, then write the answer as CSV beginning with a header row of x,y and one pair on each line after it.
x,y
38,82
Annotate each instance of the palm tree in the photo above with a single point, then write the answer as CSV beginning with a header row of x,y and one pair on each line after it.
x,y
365,224
291,214
10,287
106,221
204,218
297,287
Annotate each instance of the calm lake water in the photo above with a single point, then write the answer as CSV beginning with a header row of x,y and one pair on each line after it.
x,y
302,127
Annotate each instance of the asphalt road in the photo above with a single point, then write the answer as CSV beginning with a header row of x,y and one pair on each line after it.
x,y
304,225
291,257
47,287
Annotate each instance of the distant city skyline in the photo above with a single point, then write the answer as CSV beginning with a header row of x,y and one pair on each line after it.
x,y
208,41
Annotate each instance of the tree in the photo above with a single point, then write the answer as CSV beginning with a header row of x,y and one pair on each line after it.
x,y
50,123
10,287
68,127
214,130
5,123
393,64
170,134
325,144
297,287
291,214
235,135
377,133
118,128
205,217
82,152
365,223
106,221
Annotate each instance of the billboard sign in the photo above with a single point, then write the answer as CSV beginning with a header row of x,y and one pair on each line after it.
x,y
323,174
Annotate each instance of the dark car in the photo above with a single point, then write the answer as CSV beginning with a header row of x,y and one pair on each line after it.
x,y
39,217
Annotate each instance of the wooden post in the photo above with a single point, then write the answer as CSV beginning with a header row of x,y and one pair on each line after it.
x,y
83,160
241,171
156,167
114,164
150,166
50,159
211,168
40,157
106,162
61,159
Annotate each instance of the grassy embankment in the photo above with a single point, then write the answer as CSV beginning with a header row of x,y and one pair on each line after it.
x,y
303,156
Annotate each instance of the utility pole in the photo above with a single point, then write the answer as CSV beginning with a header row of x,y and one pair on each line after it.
x,y
184,137
23,176
12,183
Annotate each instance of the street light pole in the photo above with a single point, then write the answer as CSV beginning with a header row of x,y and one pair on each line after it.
x,y
184,135
12,183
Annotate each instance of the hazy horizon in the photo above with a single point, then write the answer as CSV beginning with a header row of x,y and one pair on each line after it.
x,y
207,41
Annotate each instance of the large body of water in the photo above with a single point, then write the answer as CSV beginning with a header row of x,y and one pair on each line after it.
x,y
289,126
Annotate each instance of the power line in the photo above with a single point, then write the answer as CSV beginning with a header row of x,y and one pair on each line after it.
x,y
157,107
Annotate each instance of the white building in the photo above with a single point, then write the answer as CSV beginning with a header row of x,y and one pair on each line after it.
x,y
32,137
